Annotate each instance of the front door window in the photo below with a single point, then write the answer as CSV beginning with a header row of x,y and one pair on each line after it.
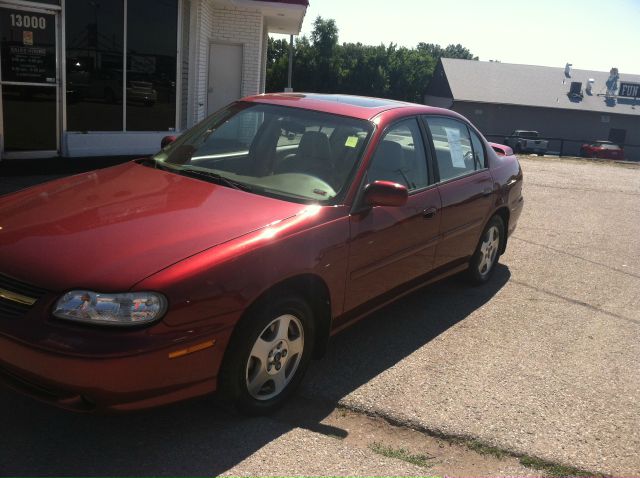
x,y
400,157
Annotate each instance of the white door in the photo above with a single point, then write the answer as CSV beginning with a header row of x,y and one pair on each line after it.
x,y
225,75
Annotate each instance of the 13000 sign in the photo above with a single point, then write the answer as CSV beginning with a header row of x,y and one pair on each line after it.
x,y
27,21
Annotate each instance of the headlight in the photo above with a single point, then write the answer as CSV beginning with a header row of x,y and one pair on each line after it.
x,y
134,308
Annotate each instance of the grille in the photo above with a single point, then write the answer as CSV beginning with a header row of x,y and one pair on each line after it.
x,y
10,309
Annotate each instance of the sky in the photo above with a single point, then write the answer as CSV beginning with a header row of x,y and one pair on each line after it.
x,y
589,34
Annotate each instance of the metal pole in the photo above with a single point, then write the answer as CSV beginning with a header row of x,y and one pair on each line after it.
x,y
289,87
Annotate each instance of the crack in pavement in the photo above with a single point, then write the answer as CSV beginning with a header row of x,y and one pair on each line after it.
x,y
568,188
577,302
560,251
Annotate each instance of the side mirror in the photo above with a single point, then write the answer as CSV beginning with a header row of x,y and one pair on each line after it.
x,y
167,140
385,193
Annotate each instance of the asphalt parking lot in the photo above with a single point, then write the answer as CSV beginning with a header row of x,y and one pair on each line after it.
x,y
543,361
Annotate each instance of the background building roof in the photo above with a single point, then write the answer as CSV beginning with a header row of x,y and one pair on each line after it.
x,y
541,86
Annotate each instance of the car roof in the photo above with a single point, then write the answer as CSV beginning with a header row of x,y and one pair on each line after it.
x,y
361,107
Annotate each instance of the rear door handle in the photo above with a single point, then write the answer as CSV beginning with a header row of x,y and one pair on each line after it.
x,y
487,191
429,213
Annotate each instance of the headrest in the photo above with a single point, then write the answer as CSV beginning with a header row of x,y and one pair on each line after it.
x,y
389,156
314,144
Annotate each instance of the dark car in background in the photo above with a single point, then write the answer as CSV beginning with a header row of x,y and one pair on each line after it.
x,y
227,260
602,150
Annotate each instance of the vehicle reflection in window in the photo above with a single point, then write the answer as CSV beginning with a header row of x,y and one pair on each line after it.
x,y
152,45
94,48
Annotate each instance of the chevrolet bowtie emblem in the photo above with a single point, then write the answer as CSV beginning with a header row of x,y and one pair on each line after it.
x,y
15,297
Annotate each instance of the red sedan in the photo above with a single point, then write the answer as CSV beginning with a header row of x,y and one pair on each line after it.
x,y
227,260
602,150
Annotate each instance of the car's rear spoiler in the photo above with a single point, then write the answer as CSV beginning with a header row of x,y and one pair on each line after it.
x,y
501,149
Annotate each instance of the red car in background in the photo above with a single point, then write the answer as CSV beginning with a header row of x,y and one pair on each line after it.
x,y
227,260
602,149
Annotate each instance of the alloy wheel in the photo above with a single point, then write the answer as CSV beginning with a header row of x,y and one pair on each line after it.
x,y
274,357
489,250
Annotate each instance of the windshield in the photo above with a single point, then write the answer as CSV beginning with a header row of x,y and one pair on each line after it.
x,y
290,153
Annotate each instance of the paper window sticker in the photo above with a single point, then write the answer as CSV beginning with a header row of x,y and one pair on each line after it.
x,y
351,142
455,147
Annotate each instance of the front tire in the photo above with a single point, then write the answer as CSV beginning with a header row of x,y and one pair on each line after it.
x,y
268,355
485,258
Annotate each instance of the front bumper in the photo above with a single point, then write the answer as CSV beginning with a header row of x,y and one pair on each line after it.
x,y
111,384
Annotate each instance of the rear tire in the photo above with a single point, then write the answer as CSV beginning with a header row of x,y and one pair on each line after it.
x,y
268,355
484,260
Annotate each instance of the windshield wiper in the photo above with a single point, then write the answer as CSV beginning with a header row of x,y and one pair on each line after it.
x,y
154,163
217,178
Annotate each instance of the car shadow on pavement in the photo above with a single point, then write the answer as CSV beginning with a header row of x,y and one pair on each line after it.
x,y
197,437
383,339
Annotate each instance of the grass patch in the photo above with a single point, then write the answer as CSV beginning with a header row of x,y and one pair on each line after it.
x,y
401,454
552,468
484,449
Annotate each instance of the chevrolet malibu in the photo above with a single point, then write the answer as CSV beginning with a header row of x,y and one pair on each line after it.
x,y
227,260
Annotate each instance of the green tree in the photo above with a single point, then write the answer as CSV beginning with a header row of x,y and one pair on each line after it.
x,y
276,49
277,64
324,40
363,70
321,64
451,51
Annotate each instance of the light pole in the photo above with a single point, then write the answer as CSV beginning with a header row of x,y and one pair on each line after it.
x,y
289,87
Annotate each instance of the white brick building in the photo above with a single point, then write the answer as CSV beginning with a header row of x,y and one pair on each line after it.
x,y
111,77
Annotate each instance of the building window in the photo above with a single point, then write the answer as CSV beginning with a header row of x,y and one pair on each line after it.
x,y
97,99
94,43
152,31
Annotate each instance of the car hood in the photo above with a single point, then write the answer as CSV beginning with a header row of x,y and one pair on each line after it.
x,y
108,229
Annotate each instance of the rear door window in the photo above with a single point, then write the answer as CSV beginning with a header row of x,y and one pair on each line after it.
x,y
457,154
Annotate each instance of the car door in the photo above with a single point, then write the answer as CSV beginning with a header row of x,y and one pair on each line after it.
x,y
465,186
390,246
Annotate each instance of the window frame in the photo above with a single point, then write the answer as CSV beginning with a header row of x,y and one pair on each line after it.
x,y
385,131
482,145
470,129
178,79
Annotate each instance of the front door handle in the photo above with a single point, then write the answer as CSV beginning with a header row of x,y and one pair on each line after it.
x,y
429,213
